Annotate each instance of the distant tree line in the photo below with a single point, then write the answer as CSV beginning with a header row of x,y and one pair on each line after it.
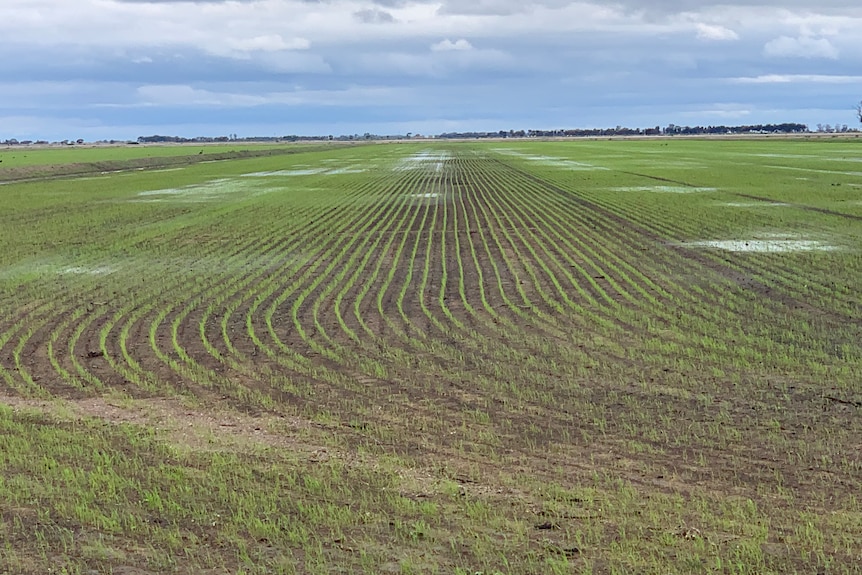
x,y
669,130
180,140
289,138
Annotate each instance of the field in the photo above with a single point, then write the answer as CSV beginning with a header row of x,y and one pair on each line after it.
x,y
44,162
495,357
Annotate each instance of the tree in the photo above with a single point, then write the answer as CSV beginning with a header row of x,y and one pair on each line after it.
x,y
859,111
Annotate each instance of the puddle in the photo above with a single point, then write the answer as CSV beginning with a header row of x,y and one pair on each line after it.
x,y
89,178
41,268
567,164
811,156
423,160
815,170
792,156
753,204
672,165
307,172
165,192
94,271
551,161
664,189
208,191
765,246
843,159
423,196
279,173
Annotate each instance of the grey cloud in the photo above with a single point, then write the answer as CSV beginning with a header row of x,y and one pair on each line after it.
x,y
182,1
666,7
394,3
374,16
498,7
652,9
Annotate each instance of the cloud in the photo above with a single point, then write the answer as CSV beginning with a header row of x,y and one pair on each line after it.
x,y
208,62
180,95
714,32
800,47
374,16
267,43
450,46
180,1
451,65
671,7
722,111
797,79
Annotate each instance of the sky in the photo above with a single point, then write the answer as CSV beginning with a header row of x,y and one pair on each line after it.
x,y
119,69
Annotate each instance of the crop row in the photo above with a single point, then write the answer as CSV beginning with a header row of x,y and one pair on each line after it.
x,y
467,263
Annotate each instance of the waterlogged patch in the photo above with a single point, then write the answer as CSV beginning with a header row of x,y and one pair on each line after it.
x,y
208,191
676,165
424,160
90,271
164,192
791,156
428,156
286,173
87,178
42,268
424,196
563,163
811,156
753,204
815,170
664,189
512,152
307,172
551,161
770,245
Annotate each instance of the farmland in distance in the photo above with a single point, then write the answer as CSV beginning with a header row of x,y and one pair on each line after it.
x,y
513,357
